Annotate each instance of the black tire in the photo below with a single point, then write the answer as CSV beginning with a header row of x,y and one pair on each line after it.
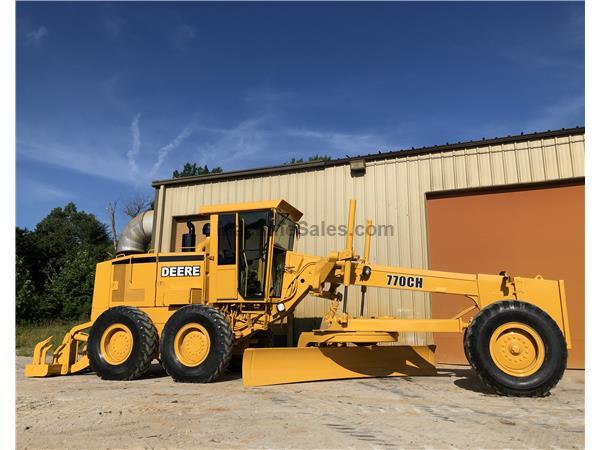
x,y
264,339
219,353
477,348
144,349
465,348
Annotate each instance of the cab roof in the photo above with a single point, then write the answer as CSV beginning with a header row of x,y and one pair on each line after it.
x,y
280,205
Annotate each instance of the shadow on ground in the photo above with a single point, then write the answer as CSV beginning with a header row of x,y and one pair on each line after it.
x,y
467,379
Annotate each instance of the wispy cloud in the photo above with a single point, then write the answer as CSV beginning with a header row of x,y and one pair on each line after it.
x,y
336,141
164,151
564,112
136,143
78,153
35,36
104,163
39,190
108,161
262,140
223,145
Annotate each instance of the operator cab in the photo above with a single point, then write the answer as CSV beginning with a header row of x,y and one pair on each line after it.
x,y
250,248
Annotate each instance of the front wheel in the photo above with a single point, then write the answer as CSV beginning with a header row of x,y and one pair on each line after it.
x,y
516,349
122,343
196,344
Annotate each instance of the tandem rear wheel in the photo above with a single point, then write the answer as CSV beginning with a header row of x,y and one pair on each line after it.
x,y
122,343
516,349
196,344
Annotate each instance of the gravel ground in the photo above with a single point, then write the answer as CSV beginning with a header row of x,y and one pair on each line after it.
x,y
448,411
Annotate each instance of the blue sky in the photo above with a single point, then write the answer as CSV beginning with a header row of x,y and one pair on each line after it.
x,y
111,96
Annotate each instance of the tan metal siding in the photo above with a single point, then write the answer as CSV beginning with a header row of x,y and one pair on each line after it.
x,y
391,192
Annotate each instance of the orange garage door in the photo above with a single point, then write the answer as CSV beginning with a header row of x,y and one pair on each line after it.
x,y
531,230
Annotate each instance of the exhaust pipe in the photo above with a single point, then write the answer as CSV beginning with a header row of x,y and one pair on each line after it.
x,y
188,240
137,234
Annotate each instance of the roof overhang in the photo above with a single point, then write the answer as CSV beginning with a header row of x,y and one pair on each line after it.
x,y
280,205
319,165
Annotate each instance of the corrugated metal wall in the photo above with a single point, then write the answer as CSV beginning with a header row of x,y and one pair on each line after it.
x,y
392,192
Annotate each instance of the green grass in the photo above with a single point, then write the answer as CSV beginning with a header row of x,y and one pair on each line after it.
x,y
29,335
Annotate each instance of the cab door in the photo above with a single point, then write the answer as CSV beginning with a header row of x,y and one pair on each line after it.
x,y
253,253
223,272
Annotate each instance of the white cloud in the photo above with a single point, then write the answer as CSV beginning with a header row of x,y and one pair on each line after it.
x,y
105,162
225,145
39,190
133,153
109,161
260,141
36,36
163,152
336,141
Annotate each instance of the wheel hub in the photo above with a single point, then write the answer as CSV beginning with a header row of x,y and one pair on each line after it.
x,y
116,344
517,349
192,344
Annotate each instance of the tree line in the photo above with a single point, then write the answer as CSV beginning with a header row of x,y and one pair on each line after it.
x,y
55,265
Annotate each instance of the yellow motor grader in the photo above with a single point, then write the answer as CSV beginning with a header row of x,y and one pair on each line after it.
x,y
196,308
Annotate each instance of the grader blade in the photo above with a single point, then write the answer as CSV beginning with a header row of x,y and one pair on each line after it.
x,y
267,366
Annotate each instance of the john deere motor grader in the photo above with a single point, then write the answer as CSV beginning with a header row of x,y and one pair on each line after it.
x,y
193,309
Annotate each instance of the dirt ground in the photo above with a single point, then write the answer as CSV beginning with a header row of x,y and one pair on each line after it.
x,y
450,410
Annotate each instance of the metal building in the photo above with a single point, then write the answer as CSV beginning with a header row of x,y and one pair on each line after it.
x,y
489,183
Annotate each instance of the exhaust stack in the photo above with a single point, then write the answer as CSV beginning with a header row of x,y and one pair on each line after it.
x,y
188,240
137,234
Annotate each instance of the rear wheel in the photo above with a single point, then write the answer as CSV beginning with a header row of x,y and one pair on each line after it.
x,y
122,344
516,349
196,344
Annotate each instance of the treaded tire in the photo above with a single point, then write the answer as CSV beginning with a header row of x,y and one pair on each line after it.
x,y
477,349
465,348
221,344
265,338
145,344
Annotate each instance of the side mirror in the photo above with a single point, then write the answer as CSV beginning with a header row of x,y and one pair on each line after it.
x,y
206,229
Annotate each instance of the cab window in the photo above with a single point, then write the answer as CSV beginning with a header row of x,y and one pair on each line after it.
x,y
253,238
226,238
283,240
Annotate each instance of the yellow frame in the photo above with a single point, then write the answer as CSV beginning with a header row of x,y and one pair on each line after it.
x,y
304,274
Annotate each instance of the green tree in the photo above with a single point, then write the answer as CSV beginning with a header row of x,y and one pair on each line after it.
x,y
295,161
65,230
316,157
28,258
69,294
44,289
26,297
192,169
